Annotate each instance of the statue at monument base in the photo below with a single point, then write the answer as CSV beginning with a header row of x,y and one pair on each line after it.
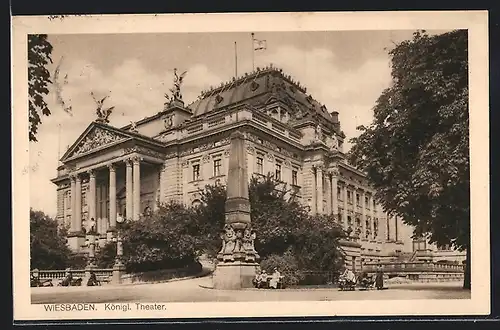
x,y
237,259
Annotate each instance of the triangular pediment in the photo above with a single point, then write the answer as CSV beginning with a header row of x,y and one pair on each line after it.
x,y
95,137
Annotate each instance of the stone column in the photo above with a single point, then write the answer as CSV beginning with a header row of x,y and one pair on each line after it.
x,y
372,215
112,201
363,214
344,215
319,190
387,227
137,188
129,206
328,189
335,207
73,204
91,197
78,204
237,258
75,237
396,231
313,191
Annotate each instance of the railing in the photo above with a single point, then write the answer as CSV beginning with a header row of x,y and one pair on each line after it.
x,y
101,274
216,122
415,267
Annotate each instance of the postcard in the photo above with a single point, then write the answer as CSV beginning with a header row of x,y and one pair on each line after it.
x,y
250,165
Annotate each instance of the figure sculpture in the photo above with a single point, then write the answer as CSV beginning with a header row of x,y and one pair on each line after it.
x,y
176,90
133,127
102,114
319,133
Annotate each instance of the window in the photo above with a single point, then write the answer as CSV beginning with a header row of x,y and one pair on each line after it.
x,y
367,202
294,177
67,200
357,199
217,167
196,172
339,193
349,196
260,165
278,172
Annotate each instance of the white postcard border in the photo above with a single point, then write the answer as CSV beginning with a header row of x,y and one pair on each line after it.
x,y
475,21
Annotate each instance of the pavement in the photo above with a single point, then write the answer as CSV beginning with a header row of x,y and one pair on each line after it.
x,y
199,290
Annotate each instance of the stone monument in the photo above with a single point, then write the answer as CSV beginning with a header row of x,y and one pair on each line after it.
x,y
237,259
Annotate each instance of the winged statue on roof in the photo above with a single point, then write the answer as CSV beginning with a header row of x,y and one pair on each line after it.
x,y
178,80
102,114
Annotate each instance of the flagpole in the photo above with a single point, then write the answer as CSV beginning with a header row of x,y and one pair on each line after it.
x,y
235,60
59,145
253,51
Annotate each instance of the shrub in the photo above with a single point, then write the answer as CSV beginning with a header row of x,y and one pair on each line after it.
x,y
286,264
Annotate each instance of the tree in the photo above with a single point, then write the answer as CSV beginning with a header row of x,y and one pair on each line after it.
x,y
48,249
39,55
285,229
416,150
166,239
210,218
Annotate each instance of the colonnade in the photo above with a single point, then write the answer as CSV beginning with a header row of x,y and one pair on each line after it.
x,y
326,186
133,194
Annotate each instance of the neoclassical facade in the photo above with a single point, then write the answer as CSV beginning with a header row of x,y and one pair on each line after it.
x,y
126,171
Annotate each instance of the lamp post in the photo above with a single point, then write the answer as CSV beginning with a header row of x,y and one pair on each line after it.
x,y
91,237
118,267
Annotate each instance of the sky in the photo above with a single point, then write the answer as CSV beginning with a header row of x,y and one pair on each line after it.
x,y
344,70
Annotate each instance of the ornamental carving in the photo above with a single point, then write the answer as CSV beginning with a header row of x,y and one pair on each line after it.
x,y
144,151
238,244
287,163
205,159
205,146
227,153
250,149
270,157
269,145
185,163
97,138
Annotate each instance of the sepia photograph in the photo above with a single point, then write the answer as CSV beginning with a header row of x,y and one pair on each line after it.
x,y
225,165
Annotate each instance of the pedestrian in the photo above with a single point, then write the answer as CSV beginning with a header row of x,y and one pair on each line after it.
x,y
275,279
379,278
92,280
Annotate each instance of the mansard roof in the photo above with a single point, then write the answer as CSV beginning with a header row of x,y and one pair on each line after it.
x,y
98,136
257,89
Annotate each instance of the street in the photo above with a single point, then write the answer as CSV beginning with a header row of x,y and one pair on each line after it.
x,y
198,290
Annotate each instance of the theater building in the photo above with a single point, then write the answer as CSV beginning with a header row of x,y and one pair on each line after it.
x,y
125,171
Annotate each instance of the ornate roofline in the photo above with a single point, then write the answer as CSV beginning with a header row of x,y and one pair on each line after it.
x,y
127,135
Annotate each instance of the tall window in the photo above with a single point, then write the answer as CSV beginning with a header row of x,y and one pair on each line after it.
x,y
67,199
357,199
367,202
278,172
102,195
260,165
339,193
294,177
217,167
349,197
196,172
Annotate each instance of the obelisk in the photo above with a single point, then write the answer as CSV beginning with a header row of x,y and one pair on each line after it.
x,y
237,259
